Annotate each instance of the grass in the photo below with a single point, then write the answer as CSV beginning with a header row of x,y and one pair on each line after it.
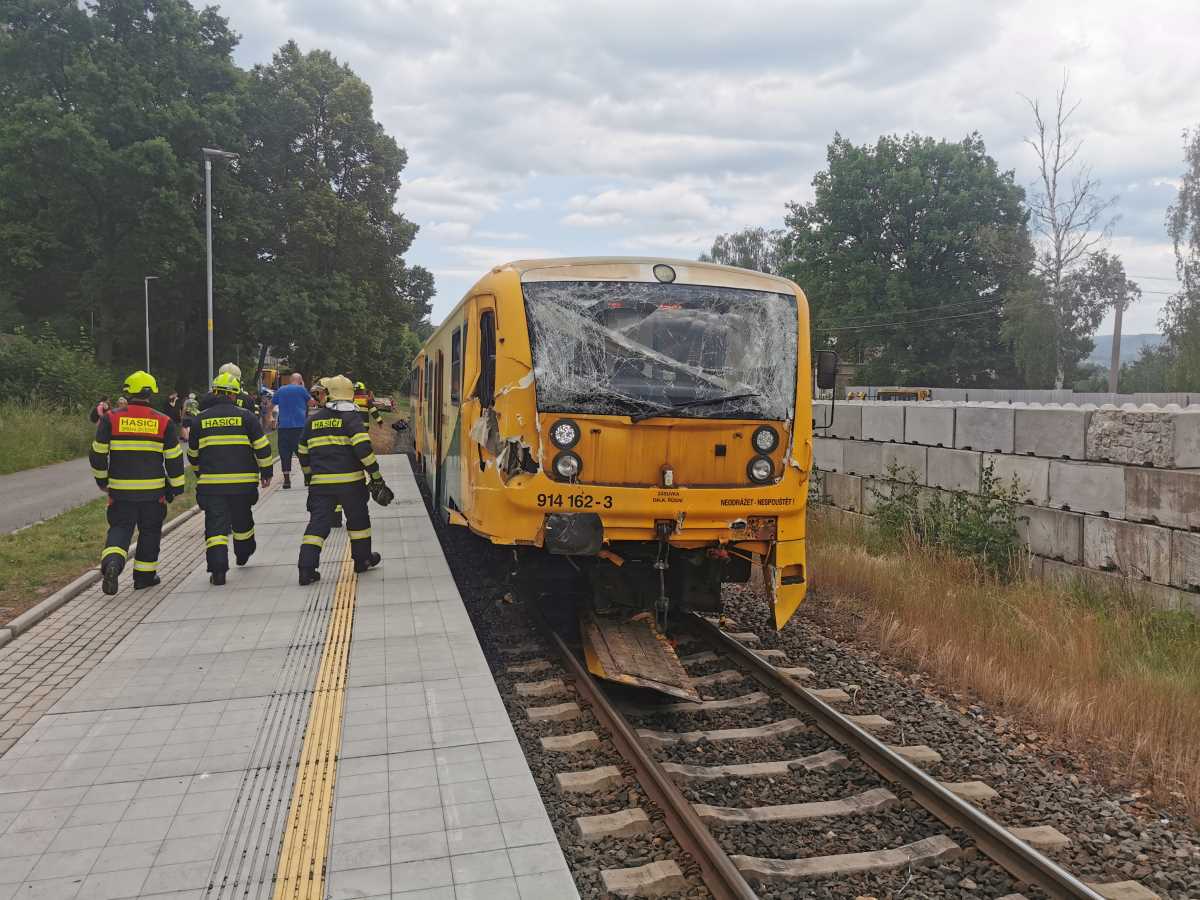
x,y
1098,670
40,559
32,436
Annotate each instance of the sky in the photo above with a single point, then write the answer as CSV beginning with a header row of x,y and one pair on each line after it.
x,y
647,128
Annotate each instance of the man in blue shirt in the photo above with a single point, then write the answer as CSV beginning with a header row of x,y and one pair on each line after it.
x,y
291,402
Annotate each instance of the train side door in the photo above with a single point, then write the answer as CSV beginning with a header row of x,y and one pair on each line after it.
x,y
439,421
479,389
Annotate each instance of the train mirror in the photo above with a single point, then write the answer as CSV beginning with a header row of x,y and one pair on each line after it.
x,y
827,364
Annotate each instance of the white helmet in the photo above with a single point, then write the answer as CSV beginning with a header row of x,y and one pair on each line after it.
x,y
231,369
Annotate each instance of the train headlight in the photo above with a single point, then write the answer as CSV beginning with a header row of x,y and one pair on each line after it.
x,y
567,465
760,469
765,439
565,434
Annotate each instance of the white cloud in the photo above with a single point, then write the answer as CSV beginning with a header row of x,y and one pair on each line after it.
x,y
626,126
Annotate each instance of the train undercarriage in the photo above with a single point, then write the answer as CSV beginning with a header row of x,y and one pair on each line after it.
x,y
625,599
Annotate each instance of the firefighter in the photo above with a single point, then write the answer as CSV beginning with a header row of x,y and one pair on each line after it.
x,y
246,401
136,459
231,456
335,452
364,402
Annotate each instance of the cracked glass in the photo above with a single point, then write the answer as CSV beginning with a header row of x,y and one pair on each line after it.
x,y
647,349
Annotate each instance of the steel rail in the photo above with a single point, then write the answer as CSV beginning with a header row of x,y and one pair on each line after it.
x,y
720,875
1012,854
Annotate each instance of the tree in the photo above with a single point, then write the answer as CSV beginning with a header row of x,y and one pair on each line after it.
x,y
750,248
1180,320
1071,218
322,271
908,254
1149,373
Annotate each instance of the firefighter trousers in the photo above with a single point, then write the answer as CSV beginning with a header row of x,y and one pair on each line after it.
x,y
353,500
225,513
123,517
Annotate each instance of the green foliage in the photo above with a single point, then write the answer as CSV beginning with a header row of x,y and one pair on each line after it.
x,y
909,251
1149,373
104,108
981,527
52,374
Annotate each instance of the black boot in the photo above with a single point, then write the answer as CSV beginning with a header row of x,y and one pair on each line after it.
x,y
217,578
242,560
361,565
140,584
287,481
308,576
111,571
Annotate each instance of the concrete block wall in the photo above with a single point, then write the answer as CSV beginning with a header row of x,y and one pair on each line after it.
x,y
1111,495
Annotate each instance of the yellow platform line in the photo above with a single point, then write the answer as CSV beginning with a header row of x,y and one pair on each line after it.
x,y
300,872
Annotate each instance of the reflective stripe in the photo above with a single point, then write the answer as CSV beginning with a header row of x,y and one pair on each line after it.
x,y
224,440
177,481
217,540
360,437
137,484
328,440
261,442
193,453
359,535
266,463
174,453
339,478
227,478
99,447
99,473
307,470
123,444
313,540
139,566
243,535
120,551
302,448
369,459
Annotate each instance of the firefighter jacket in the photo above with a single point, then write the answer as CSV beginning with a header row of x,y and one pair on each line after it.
x,y
335,448
363,403
136,453
228,449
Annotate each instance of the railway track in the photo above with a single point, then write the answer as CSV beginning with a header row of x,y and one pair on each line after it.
x,y
958,826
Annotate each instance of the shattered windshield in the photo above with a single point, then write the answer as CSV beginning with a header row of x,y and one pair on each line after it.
x,y
639,349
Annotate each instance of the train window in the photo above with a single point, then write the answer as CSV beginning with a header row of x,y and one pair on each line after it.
x,y
455,366
486,388
428,383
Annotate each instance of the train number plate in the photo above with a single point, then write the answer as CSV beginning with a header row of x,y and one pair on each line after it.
x,y
574,501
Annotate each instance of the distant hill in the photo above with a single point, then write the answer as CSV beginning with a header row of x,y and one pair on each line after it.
x,y
1131,346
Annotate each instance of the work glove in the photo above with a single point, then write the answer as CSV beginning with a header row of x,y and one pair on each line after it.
x,y
170,494
380,492
266,480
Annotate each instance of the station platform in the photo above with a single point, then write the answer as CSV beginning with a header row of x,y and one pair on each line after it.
x,y
264,740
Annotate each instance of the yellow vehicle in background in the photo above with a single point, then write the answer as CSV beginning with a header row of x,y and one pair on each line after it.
x,y
642,426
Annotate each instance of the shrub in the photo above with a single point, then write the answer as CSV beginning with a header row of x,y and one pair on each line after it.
x,y
48,372
980,527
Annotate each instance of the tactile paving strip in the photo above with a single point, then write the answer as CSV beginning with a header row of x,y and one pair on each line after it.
x,y
246,862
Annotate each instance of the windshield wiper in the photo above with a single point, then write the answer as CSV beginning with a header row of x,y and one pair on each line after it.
x,y
708,401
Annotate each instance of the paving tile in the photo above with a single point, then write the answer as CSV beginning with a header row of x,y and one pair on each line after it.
x,y
547,886
496,889
113,885
475,839
416,821
351,883
426,873
409,848
480,866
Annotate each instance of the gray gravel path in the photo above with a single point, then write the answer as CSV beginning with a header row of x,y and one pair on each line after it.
x,y
36,494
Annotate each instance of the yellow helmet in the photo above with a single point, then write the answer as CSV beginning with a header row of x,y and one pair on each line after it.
x,y
140,383
339,388
359,386
227,382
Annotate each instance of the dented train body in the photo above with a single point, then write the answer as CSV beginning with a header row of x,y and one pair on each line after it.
x,y
650,420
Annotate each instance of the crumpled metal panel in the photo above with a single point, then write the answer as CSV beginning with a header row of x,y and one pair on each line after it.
x,y
633,651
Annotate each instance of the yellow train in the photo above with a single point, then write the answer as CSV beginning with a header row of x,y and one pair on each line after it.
x,y
641,425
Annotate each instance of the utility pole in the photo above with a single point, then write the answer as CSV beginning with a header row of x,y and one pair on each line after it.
x,y
146,285
1114,369
210,154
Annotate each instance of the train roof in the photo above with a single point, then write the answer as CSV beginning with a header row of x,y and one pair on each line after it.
x,y
641,268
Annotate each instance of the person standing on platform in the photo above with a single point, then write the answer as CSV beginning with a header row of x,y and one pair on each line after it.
x,y
232,457
136,459
291,404
335,452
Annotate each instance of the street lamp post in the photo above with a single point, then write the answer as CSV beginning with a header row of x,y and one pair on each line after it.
x,y
210,154
146,285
